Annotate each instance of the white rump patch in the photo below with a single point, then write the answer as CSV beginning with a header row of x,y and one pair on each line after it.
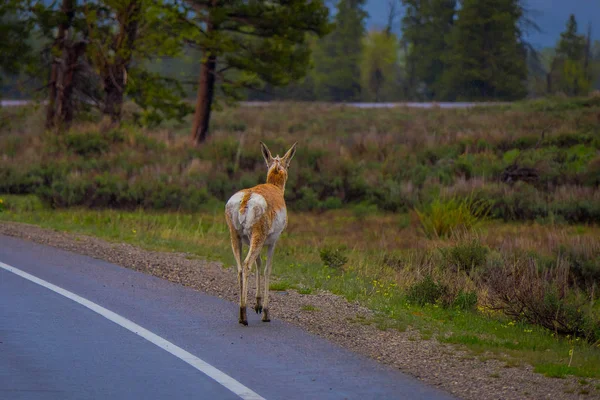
x,y
255,209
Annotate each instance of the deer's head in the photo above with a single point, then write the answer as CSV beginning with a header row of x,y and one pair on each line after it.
x,y
277,166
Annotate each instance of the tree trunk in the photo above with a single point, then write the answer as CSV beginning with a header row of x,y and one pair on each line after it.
x,y
114,85
204,99
65,94
58,67
116,74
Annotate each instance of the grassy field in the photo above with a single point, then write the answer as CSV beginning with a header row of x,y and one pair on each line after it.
x,y
476,227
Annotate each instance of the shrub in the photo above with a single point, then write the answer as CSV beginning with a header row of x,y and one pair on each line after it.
x,y
466,257
21,203
465,300
333,257
308,200
92,143
584,261
426,291
443,217
332,203
363,209
521,202
543,297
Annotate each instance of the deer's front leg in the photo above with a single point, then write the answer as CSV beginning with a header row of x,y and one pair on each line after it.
x,y
270,252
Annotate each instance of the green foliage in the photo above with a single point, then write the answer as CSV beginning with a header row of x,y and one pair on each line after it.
x,y
465,300
554,370
379,66
91,143
441,218
568,71
337,57
426,291
333,257
257,42
486,57
364,209
15,32
159,98
525,202
426,27
466,256
571,44
21,204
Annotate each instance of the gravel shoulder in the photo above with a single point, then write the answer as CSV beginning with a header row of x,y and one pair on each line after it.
x,y
445,366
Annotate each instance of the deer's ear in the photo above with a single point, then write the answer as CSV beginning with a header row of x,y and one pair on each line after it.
x,y
287,158
266,154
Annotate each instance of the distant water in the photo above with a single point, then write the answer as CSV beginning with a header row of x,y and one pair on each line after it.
x,y
393,105
14,103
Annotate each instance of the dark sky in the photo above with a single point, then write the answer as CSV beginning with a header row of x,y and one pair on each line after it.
x,y
550,15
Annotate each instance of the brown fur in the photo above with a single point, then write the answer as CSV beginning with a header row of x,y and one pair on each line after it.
x,y
272,192
245,199
275,202
277,177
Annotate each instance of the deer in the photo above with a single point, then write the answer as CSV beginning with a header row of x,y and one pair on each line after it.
x,y
256,217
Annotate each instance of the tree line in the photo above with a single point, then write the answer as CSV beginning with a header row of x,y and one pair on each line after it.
x,y
78,54
472,50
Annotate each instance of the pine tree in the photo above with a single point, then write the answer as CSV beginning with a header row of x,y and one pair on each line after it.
x,y
487,57
245,44
14,32
337,58
571,45
568,72
426,27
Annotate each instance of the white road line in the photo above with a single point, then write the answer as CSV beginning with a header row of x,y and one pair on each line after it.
x,y
202,366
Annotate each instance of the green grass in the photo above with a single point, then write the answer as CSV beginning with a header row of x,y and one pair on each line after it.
x,y
297,264
441,218
280,286
309,307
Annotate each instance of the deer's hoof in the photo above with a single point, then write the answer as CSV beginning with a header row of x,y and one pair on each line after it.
x,y
243,320
258,307
265,317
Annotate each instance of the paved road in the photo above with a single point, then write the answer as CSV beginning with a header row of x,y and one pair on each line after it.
x,y
52,347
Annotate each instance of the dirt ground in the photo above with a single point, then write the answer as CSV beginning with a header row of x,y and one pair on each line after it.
x,y
445,366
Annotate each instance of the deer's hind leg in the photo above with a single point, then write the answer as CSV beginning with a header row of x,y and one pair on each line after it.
x,y
236,247
258,307
256,243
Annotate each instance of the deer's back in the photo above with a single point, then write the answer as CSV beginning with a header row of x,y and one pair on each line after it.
x,y
259,210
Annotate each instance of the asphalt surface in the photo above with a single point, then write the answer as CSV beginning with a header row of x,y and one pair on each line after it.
x,y
54,348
